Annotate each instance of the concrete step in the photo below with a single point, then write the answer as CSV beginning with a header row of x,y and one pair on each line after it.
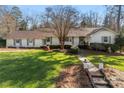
x,y
99,81
96,74
102,86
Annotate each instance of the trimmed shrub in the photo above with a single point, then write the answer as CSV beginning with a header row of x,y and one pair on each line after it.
x,y
97,46
104,47
58,46
2,43
120,42
55,47
67,46
73,50
83,46
114,47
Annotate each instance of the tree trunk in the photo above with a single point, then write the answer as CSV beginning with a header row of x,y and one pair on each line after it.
x,y
62,44
120,49
118,18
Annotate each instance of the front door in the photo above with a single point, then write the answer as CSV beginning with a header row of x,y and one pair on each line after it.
x,y
81,41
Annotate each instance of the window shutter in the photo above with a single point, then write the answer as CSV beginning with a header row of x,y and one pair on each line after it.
x,y
14,42
102,39
51,40
27,42
72,40
33,42
20,42
110,39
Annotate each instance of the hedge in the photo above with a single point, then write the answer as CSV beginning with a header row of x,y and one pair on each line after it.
x,y
83,46
73,50
104,47
58,46
2,43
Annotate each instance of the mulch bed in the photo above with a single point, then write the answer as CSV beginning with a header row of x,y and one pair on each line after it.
x,y
116,77
73,77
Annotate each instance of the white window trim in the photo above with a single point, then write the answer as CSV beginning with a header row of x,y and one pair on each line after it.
x,y
17,44
17,40
69,39
108,39
30,40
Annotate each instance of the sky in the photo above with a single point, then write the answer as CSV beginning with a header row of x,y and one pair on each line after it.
x,y
38,9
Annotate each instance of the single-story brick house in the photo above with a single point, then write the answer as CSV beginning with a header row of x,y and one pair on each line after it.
x,y
76,36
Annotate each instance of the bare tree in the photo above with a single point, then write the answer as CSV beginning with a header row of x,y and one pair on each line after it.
x,y
114,17
62,19
34,21
90,19
45,18
7,23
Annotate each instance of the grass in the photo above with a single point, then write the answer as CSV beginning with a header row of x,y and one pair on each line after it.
x,y
114,61
32,69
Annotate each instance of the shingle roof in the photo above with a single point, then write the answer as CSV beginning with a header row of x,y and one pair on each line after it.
x,y
49,33
81,31
28,35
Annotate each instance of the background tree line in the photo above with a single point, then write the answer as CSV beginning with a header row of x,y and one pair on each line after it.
x,y
12,19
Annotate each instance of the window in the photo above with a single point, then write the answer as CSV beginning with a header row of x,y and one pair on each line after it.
x,y
106,39
68,39
48,39
30,41
18,41
81,41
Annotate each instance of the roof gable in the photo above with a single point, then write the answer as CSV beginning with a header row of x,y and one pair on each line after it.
x,y
102,29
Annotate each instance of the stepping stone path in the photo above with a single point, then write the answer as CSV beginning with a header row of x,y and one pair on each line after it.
x,y
97,77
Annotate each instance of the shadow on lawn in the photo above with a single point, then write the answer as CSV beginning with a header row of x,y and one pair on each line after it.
x,y
86,53
32,70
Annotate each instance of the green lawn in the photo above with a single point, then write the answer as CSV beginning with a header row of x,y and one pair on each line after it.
x,y
35,68
114,61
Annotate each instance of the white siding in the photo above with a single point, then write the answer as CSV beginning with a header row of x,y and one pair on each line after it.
x,y
38,42
9,42
76,41
68,43
24,42
97,37
55,41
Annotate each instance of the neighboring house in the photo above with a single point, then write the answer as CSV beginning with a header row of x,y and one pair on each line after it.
x,y
75,37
